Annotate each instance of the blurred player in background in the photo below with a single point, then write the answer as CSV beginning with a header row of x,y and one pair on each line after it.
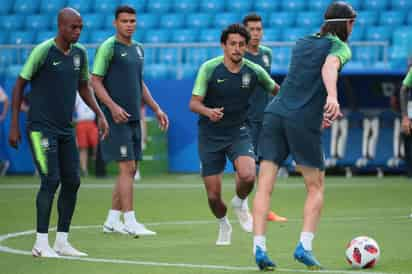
x,y
292,124
262,56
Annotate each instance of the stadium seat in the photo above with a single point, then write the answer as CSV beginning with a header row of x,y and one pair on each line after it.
x,y
6,6
293,5
293,34
51,6
318,5
4,35
138,5
196,56
401,4
409,19
156,71
37,22
25,7
80,5
224,19
282,19
375,4
157,36
356,4
172,20
11,22
381,33
281,55
366,54
138,35
93,21
84,36
357,33
91,52
213,52
99,36
170,56
21,37
398,57
185,6
239,6
13,70
186,71
105,6
150,55
392,18
184,35
402,37
108,22
271,34
309,19
158,6
266,5
367,18
210,35
212,6
147,21
198,20
44,35
7,56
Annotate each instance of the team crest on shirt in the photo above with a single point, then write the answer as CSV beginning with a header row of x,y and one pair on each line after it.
x,y
123,151
76,62
265,60
139,52
246,80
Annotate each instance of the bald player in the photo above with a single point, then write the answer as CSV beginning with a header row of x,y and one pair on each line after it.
x,y
56,69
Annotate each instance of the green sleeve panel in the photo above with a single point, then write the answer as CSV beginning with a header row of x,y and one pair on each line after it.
x,y
39,153
340,50
263,77
204,74
36,59
103,57
84,70
408,79
268,51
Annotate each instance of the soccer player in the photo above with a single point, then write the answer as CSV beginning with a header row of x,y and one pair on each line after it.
x,y
262,56
406,112
117,79
221,97
56,69
292,125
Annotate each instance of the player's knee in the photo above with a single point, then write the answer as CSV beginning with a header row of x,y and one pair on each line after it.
x,y
247,176
49,185
213,199
70,184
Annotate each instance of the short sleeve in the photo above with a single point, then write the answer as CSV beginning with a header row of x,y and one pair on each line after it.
x,y
408,79
103,58
35,60
340,50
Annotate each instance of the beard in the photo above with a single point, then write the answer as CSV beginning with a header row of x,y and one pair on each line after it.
x,y
236,61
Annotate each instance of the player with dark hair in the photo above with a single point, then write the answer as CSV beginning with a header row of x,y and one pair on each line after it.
x,y
117,79
56,69
221,98
292,124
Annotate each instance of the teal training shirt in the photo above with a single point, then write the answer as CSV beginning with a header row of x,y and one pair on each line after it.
x,y
121,67
259,100
302,95
222,88
54,78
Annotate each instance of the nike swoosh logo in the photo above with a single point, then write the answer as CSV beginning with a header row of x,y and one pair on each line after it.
x,y
55,63
220,80
123,54
108,228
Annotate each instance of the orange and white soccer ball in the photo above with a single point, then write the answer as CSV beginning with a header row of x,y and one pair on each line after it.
x,y
363,252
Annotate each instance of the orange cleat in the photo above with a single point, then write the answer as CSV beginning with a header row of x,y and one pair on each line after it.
x,y
273,217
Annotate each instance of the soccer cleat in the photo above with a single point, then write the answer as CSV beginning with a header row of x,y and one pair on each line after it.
x,y
263,261
115,227
66,249
244,217
273,217
44,251
306,257
137,229
225,234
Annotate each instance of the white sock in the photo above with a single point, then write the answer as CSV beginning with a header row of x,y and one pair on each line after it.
x,y
113,216
306,240
223,220
42,239
129,217
259,241
237,202
62,237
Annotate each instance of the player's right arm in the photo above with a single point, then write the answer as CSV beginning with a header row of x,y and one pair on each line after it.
x,y
199,92
101,64
403,101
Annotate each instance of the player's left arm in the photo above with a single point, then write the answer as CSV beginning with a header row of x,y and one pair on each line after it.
x,y
148,100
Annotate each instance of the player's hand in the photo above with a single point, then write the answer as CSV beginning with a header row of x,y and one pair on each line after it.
x,y
406,126
163,120
215,114
326,123
119,114
332,109
103,127
14,136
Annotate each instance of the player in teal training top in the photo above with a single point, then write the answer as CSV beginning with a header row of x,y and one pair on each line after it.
x,y
56,69
406,112
262,56
118,82
221,97
292,123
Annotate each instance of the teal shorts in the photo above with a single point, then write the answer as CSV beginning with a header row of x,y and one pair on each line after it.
x,y
280,137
